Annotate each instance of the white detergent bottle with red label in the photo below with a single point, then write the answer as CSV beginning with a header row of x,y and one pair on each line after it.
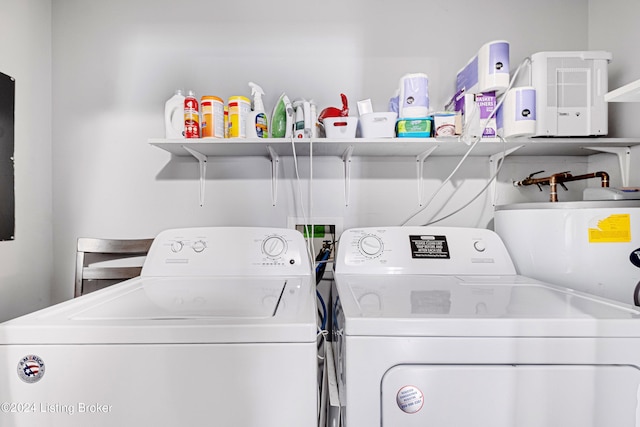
x,y
257,121
174,116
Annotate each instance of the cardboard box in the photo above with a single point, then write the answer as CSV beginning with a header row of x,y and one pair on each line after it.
x,y
477,108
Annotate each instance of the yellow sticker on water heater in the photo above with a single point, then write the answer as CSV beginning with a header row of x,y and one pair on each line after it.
x,y
612,229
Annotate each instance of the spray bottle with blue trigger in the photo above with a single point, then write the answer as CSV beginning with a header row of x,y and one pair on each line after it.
x,y
257,120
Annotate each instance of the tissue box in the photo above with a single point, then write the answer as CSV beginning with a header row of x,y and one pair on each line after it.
x,y
377,125
418,127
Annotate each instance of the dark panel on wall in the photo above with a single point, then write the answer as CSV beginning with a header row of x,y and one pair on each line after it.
x,y
7,180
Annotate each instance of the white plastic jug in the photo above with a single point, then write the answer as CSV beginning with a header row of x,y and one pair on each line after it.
x,y
174,116
414,96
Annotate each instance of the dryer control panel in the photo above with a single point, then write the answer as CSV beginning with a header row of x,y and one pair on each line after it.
x,y
206,251
422,250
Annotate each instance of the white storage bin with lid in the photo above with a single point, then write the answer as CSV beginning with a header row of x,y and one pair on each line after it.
x,y
340,127
377,125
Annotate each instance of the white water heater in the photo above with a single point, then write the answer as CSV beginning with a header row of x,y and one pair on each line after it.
x,y
570,89
591,246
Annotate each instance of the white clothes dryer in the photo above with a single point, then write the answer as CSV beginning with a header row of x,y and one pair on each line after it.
x,y
219,329
433,327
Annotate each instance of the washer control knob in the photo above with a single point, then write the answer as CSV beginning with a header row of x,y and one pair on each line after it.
x,y
274,246
176,246
370,245
199,246
479,245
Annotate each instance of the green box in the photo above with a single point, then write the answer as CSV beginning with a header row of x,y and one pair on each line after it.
x,y
414,127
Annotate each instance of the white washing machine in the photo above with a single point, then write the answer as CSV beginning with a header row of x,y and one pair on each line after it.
x,y
433,327
219,329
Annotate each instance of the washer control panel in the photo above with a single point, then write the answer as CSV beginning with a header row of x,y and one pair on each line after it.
x,y
422,250
197,246
227,250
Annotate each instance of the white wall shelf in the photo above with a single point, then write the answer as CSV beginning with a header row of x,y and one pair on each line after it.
x,y
389,147
418,148
626,93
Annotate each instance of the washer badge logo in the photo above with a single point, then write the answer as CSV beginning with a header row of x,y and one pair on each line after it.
x,y
410,399
31,369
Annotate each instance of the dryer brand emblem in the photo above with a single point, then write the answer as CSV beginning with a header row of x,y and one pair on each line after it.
x,y
31,369
635,257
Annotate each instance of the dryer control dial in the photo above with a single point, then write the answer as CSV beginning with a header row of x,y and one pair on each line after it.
x,y
199,246
370,246
176,246
479,245
274,246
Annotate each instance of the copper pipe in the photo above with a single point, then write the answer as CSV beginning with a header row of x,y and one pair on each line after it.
x,y
559,179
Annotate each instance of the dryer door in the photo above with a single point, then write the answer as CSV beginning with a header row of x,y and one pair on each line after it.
x,y
510,395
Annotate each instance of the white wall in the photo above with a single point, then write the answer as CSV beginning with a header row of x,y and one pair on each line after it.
x,y
116,62
25,54
613,26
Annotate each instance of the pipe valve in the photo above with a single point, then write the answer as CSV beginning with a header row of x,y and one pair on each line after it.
x,y
559,179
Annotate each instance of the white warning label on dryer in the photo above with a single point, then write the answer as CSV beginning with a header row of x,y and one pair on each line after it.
x,y
429,247
410,399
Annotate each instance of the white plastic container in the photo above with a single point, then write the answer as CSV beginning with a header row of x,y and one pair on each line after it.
x,y
487,71
174,116
444,124
414,95
377,125
340,127
517,116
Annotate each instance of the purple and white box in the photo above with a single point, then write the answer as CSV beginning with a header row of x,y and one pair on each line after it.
x,y
478,107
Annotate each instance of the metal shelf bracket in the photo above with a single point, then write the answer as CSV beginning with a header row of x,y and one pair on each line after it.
x,y
495,160
202,160
624,158
275,162
420,158
346,159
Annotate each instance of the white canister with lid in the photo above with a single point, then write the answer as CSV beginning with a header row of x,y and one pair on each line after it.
x,y
414,96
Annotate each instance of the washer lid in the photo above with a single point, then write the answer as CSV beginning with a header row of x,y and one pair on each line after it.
x,y
422,305
193,298
177,310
